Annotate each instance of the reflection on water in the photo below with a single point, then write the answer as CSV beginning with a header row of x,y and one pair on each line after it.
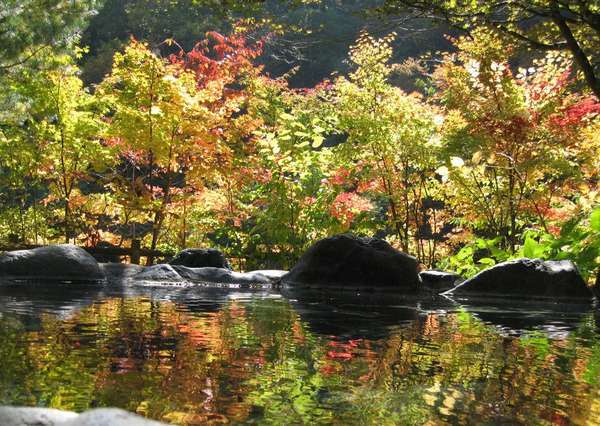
x,y
197,356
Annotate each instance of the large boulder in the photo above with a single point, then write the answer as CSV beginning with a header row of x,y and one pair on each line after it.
x,y
64,262
201,258
527,278
351,262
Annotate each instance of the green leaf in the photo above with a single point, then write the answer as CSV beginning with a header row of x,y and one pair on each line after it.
x,y
532,248
317,141
487,261
595,220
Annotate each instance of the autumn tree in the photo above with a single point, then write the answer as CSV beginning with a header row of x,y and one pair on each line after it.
x,y
391,142
291,206
515,143
158,125
177,120
56,135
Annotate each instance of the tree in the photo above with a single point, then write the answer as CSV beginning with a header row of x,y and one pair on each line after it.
x,y
391,145
539,25
160,128
515,144
177,121
291,205
57,134
29,26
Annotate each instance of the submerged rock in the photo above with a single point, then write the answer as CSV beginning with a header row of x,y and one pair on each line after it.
x,y
351,262
64,262
224,276
176,273
160,272
527,277
201,258
29,416
439,281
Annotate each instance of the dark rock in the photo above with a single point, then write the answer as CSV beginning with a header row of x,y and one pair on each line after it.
x,y
120,271
527,277
62,262
201,258
350,262
439,281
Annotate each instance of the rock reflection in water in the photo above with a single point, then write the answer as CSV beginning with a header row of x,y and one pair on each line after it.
x,y
196,356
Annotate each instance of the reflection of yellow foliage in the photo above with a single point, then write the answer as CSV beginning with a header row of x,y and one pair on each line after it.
x,y
163,361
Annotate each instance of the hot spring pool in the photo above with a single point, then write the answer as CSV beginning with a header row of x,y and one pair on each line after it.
x,y
212,356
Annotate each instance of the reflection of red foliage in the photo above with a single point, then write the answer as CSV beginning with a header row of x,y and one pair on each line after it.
x,y
364,378
559,419
328,370
343,356
344,350
350,345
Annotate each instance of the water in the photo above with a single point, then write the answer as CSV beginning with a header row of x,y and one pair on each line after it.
x,y
214,356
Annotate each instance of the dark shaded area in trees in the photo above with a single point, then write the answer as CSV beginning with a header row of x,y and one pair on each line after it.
x,y
315,43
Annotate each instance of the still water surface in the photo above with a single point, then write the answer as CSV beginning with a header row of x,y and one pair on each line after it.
x,y
216,356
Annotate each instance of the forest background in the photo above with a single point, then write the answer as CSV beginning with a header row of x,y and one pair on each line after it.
x,y
463,132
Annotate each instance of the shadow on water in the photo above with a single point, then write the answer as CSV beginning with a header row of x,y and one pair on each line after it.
x,y
338,313
365,314
29,300
518,316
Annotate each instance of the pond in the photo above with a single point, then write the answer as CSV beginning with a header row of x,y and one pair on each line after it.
x,y
213,355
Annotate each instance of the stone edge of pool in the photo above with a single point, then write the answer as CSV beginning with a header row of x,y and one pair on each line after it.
x,y
28,416
341,262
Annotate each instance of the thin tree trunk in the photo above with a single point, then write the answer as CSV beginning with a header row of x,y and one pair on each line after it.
x,y
578,53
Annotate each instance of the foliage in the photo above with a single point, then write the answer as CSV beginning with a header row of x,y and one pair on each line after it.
x,y
54,140
392,146
168,121
27,27
578,240
203,147
538,25
514,143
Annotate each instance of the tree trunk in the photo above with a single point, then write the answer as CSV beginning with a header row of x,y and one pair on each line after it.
x,y
67,220
578,53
